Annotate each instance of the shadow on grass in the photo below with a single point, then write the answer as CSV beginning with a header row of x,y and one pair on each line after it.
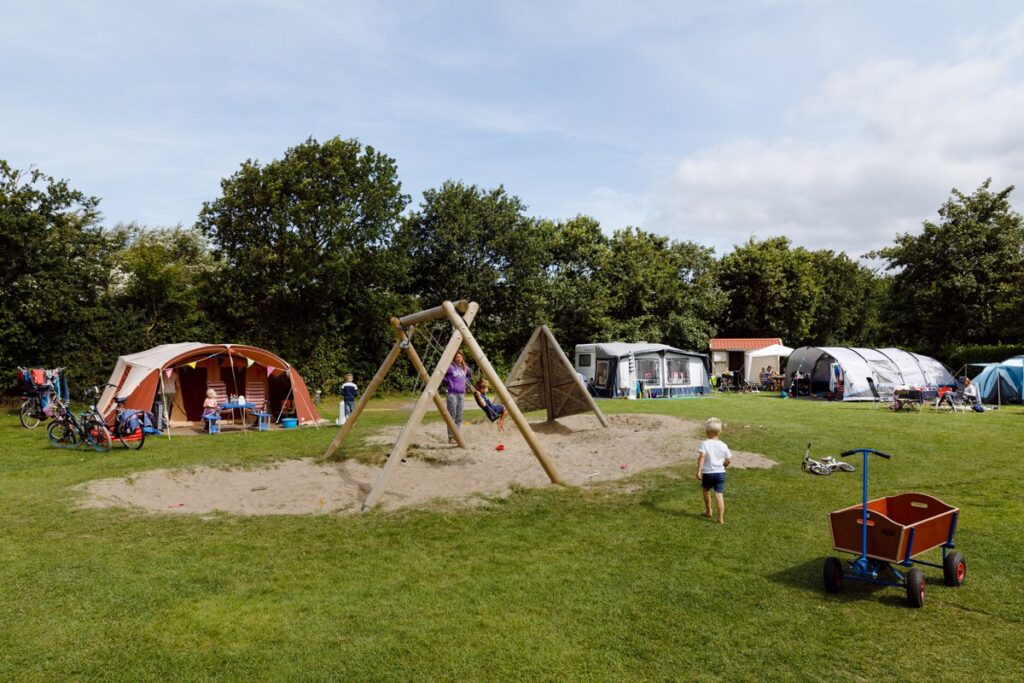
x,y
673,507
808,576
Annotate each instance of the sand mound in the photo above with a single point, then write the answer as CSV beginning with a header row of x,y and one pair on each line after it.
x,y
582,450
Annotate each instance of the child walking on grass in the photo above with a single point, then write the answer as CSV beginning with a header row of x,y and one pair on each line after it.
x,y
713,456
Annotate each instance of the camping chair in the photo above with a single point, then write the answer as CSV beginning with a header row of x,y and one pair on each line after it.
x,y
256,393
883,399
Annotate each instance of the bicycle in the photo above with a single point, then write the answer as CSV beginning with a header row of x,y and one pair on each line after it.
x,y
825,466
32,411
68,431
129,424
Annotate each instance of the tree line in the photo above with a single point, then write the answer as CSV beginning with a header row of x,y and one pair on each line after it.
x,y
309,256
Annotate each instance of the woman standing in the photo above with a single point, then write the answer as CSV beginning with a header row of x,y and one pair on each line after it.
x,y
455,380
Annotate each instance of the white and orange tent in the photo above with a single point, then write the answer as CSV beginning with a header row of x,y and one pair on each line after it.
x,y
180,373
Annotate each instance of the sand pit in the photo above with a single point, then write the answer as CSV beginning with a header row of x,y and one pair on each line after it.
x,y
583,451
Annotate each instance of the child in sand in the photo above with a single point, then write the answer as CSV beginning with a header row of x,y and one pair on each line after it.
x,y
495,412
713,456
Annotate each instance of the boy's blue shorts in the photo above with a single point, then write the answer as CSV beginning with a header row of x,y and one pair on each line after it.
x,y
713,480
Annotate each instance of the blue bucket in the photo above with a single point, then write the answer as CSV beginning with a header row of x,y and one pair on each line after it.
x,y
290,422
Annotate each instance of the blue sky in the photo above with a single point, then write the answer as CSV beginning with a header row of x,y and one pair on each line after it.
x,y
836,124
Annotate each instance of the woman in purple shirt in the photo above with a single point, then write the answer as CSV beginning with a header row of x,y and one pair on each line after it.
x,y
455,381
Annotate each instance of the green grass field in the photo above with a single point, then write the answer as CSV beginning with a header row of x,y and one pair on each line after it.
x,y
607,583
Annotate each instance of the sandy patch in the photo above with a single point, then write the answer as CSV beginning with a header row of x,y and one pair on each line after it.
x,y
582,450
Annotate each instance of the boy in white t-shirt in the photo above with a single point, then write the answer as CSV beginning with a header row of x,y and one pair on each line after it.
x,y
713,456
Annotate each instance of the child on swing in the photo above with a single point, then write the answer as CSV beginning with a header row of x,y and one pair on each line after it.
x,y
495,412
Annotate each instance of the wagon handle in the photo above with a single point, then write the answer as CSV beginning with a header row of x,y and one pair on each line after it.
x,y
846,454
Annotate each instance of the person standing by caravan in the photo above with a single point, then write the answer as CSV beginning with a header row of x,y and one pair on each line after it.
x,y
349,391
455,380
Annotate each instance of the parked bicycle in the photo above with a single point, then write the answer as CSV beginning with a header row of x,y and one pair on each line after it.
x,y
34,409
129,423
68,431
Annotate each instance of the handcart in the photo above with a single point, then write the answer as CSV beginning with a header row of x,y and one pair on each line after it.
x,y
888,532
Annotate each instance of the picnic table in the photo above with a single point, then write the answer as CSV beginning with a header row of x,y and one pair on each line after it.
x,y
241,407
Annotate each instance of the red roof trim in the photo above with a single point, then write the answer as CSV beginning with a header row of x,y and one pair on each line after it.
x,y
738,344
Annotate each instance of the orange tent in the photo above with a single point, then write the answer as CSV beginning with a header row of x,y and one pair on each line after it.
x,y
179,374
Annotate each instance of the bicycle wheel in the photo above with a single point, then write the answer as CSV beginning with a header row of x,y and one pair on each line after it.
x,y
134,440
820,469
30,413
97,435
845,466
62,434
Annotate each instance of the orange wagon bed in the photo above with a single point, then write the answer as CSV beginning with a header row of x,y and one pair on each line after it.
x,y
899,527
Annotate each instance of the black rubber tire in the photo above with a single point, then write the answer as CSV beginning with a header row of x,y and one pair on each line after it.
x,y
62,434
98,436
131,442
29,416
915,588
833,575
954,569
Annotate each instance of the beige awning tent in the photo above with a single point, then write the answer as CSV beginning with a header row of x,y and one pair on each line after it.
x,y
179,373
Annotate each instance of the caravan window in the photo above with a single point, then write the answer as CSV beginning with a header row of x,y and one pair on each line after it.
x,y
602,374
583,360
648,371
678,370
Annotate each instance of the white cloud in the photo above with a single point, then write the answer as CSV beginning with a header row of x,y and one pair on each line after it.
x,y
874,152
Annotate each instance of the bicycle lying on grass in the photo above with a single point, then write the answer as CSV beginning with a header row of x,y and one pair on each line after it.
x,y
825,466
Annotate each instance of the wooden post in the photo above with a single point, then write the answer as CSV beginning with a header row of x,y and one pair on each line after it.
x,y
568,366
506,398
364,399
439,403
405,436
435,313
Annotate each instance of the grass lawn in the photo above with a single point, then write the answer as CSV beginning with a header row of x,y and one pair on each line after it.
x,y
607,583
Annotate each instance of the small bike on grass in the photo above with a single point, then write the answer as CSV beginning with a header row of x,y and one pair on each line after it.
x,y
825,466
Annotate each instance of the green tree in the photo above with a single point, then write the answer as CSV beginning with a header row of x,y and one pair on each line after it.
x,y
960,279
850,301
469,243
55,278
164,277
578,306
661,290
773,289
308,266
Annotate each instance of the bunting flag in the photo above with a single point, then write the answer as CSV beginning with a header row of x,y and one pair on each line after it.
x,y
249,362
270,371
192,365
168,371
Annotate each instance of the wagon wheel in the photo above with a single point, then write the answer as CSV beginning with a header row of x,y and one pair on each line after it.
x,y
915,588
833,575
954,569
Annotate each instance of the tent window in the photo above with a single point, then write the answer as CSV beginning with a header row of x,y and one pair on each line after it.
x,y
602,374
678,370
583,360
648,371
886,372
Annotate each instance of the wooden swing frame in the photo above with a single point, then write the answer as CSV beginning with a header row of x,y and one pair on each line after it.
x,y
461,315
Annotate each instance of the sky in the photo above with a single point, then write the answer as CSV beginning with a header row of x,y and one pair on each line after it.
x,y
838,125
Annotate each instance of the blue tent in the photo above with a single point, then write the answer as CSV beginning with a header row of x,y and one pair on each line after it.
x,y
1001,382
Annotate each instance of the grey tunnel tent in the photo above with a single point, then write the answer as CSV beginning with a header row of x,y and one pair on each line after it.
x,y
820,368
614,368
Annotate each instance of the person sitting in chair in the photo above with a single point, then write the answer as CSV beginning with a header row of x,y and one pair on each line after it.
x,y
495,412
